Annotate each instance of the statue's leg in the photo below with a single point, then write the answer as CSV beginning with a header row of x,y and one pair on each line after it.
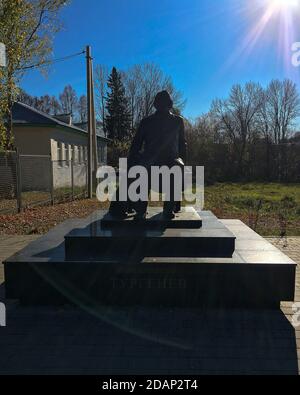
x,y
178,205
174,206
169,206
130,205
141,206
117,208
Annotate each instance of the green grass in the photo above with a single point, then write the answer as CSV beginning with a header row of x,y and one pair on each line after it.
x,y
270,209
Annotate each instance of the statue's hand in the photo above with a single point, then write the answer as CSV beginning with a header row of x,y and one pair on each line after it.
x,y
179,162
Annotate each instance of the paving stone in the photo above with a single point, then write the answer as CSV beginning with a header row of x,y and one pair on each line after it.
x,y
71,341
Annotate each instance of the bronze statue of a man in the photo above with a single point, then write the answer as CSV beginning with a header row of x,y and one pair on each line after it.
x,y
159,141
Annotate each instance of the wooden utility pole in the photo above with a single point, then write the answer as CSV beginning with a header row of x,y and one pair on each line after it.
x,y
95,143
92,128
90,119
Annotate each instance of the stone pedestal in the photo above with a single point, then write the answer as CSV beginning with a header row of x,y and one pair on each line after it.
x,y
127,239
188,218
96,262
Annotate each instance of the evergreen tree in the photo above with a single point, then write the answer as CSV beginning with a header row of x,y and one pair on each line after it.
x,y
118,115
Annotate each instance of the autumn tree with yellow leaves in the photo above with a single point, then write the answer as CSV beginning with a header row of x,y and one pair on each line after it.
x,y
27,28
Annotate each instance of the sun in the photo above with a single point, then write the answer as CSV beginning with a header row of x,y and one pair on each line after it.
x,y
277,16
279,5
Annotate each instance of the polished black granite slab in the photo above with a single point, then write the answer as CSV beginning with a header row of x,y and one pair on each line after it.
x,y
188,218
93,241
258,275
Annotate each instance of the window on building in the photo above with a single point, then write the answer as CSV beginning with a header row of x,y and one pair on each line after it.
x,y
101,154
60,153
80,154
67,154
72,152
75,156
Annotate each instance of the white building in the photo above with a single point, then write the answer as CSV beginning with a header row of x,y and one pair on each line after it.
x,y
39,134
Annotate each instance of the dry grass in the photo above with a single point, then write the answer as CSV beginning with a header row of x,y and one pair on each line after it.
x,y
270,209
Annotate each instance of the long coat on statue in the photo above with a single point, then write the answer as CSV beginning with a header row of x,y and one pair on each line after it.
x,y
159,141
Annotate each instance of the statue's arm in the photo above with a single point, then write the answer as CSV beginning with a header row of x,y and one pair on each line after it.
x,y
182,142
137,143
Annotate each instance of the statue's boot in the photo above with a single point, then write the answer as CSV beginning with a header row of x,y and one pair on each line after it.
x,y
177,207
140,216
168,215
118,209
168,211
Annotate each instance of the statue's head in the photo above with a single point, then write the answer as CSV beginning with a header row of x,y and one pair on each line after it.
x,y
163,101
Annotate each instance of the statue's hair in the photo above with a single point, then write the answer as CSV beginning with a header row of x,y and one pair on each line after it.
x,y
163,100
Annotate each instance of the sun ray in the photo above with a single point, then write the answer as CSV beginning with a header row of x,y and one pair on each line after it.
x,y
281,12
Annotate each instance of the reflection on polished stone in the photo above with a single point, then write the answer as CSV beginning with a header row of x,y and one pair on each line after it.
x,y
187,218
80,262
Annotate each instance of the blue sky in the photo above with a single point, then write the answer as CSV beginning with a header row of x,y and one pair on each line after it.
x,y
206,46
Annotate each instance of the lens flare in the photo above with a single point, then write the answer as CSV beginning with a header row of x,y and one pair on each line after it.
x,y
279,5
276,16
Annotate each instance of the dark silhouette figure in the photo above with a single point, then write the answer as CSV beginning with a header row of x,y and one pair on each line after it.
x,y
159,141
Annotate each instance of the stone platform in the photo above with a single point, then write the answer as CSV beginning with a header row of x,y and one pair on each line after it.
x,y
188,218
94,242
256,274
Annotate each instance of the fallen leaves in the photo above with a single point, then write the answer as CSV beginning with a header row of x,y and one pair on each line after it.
x,y
40,220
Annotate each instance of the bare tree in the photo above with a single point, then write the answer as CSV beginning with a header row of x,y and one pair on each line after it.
x,y
82,108
132,82
152,82
101,78
236,116
142,82
262,119
177,96
68,100
55,106
282,108
25,98
46,103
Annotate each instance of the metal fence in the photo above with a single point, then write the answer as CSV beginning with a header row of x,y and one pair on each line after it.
x,y
9,182
30,180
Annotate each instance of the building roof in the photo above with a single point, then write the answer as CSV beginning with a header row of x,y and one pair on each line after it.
x,y
24,115
99,128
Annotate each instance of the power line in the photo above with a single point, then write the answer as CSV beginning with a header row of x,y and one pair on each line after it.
x,y
39,65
